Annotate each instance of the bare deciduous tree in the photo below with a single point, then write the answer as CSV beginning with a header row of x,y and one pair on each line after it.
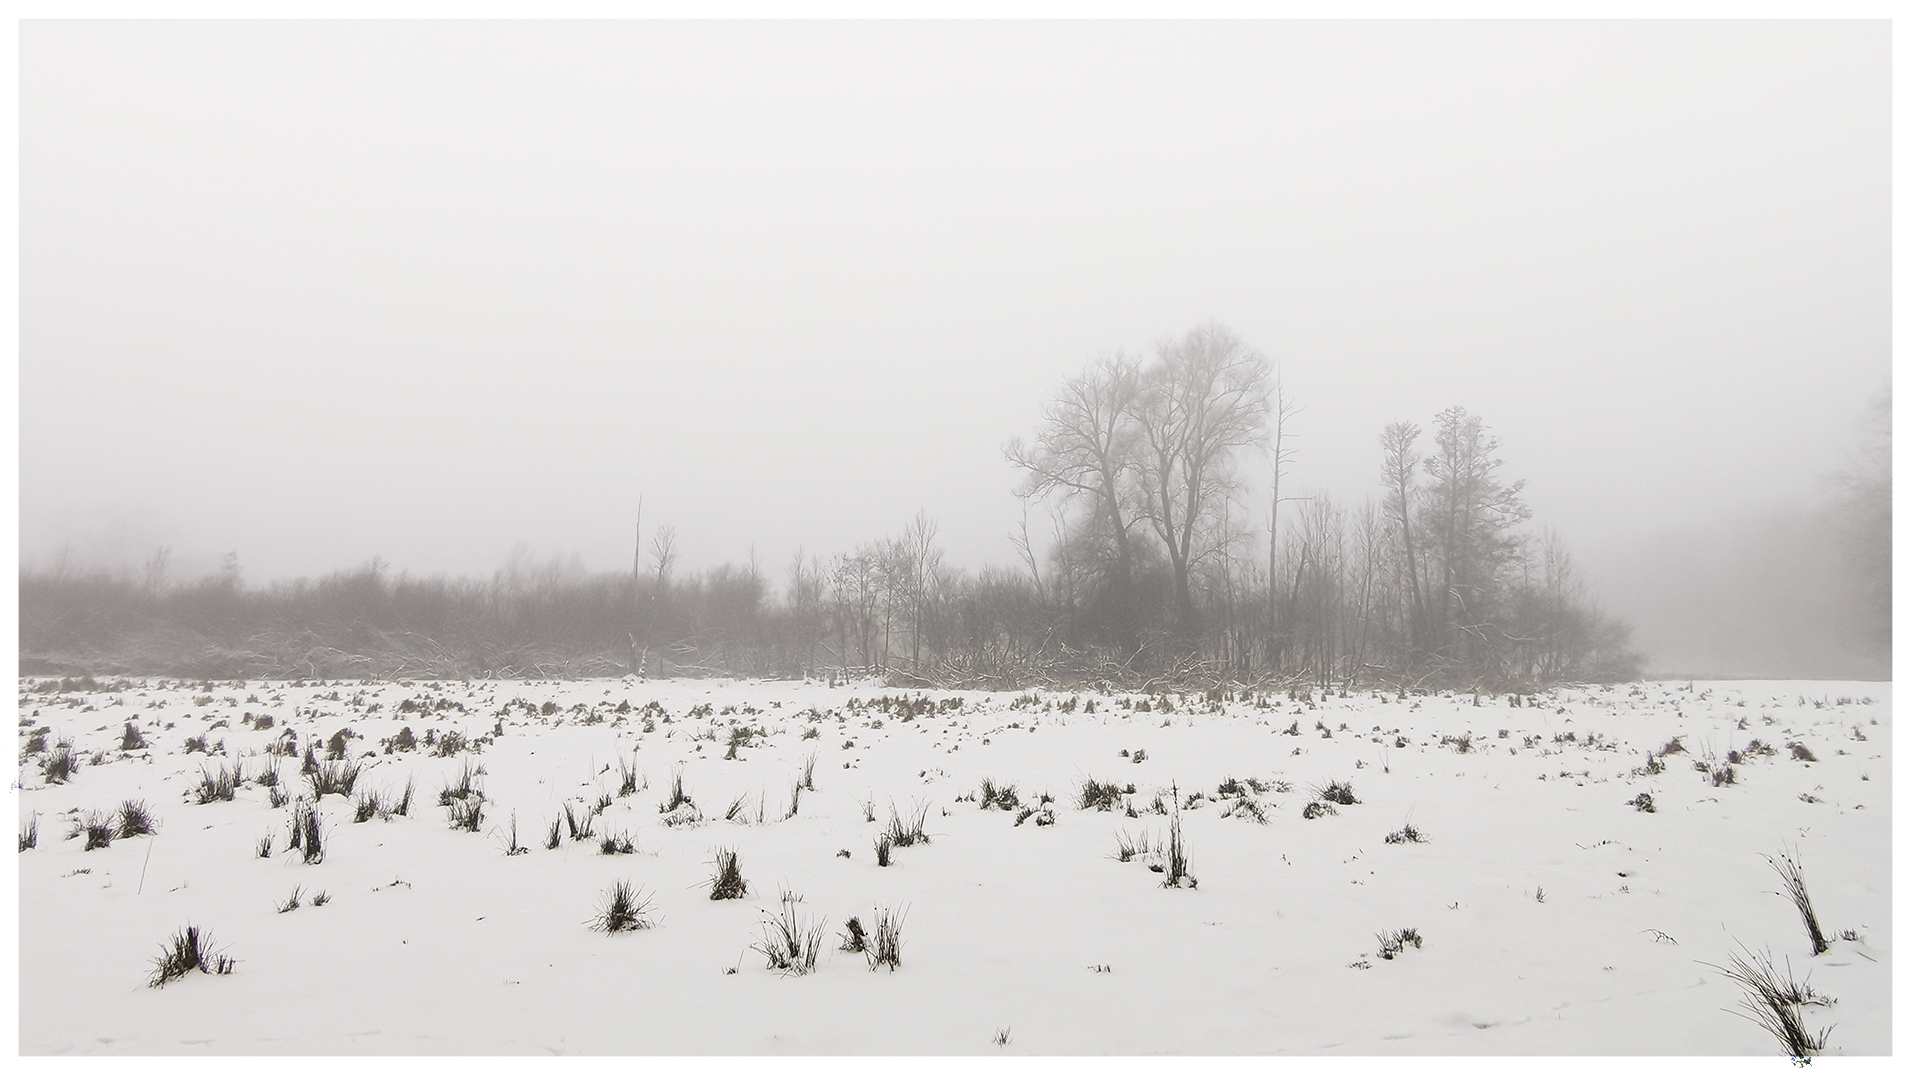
x,y
1204,400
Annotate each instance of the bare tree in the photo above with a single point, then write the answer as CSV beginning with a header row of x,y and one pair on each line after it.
x,y
1471,513
1400,500
1085,448
1203,401
663,549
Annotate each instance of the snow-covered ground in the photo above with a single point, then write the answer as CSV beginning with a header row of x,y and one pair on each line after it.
x,y
1555,915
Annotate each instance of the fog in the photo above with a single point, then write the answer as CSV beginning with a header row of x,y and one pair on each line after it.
x,y
312,293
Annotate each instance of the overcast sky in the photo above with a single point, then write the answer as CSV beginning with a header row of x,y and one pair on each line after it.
x,y
316,292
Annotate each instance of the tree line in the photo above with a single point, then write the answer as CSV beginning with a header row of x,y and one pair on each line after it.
x,y
1160,571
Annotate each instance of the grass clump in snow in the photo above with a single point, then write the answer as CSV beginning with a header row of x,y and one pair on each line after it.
x,y
1407,834
580,828
1176,866
677,797
1801,752
466,814
1774,1001
466,787
186,952
308,835
291,903
330,778
97,827
883,846
1394,942
727,882
30,833
1789,872
218,786
1097,795
135,819
1127,847
131,739
624,909
1336,791
854,939
1642,802
790,943
908,833
616,844
555,836
885,946
1002,797
511,845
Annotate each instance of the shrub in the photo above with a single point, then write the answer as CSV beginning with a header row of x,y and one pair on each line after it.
x,y
727,883
1643,803
886,947
185,953
790,944
1098,796
135,819
1801,752
450,743
1461,744
1773,1001
1788,871
132,739
624,909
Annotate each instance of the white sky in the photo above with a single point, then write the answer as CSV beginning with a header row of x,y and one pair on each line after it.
x,y
316,292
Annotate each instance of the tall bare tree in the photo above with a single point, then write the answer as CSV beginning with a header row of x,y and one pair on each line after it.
x,y
1203,401
1085,447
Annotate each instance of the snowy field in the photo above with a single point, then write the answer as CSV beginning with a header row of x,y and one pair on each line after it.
x,y
1553,913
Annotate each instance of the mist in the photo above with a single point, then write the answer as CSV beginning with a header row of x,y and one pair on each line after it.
x,y
461,295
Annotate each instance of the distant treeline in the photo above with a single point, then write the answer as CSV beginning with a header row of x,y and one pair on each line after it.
x,y
1153,577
